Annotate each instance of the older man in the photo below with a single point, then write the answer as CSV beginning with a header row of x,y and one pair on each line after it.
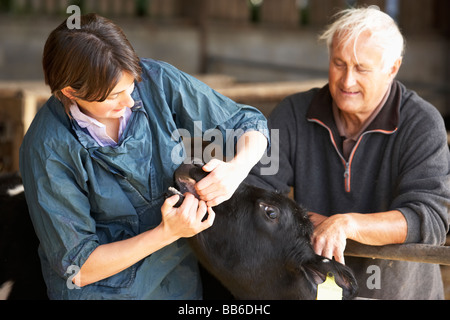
x,y
367,157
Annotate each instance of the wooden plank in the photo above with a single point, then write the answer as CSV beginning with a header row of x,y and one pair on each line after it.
x,y
403,252
268,91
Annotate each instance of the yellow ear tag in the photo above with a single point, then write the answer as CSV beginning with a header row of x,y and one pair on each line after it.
x,y
329,290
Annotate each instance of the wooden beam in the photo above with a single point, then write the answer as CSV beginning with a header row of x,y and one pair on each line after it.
x,y
404,252
277,91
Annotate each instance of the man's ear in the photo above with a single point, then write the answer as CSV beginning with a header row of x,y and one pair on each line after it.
x,y
69,92
395,68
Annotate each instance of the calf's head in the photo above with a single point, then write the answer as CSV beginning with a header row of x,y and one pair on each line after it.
x,y
259,245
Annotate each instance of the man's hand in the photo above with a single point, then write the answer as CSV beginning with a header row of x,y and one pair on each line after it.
x,y
330,238
377,229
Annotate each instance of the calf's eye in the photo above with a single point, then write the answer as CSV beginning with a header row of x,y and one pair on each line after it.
x,y
270,211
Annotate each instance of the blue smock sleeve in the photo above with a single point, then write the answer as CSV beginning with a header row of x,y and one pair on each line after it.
x,y
196,107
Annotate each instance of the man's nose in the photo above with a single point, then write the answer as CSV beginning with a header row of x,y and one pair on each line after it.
x,y
349,79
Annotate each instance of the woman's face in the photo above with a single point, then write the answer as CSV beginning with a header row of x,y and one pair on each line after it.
x,y
114,105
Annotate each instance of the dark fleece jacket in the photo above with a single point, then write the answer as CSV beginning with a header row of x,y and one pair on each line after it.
x,y
401,162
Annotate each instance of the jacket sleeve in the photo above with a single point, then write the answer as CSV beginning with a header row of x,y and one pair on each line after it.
x,y
423,189
197,108
276,171
58,205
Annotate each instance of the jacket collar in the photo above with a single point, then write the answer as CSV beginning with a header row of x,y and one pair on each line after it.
x,y
80,129
386,121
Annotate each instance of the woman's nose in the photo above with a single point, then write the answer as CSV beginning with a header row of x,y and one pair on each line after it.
x,y
127,101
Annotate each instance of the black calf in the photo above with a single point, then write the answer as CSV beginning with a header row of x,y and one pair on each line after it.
x,y
259,246
19,260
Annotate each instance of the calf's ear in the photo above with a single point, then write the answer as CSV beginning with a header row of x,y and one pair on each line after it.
x,y
316,272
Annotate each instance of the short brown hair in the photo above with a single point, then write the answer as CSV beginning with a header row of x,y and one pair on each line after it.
x,y
90,59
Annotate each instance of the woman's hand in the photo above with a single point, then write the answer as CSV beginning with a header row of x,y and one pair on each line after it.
x,y
225,177
185,221
221,182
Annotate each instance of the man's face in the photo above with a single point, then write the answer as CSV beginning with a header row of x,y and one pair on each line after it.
x,y
359,83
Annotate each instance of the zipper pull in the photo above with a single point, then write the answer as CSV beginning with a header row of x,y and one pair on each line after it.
x,y
347,177
347,171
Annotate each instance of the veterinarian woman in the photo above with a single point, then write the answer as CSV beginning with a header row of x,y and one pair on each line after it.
x,y
97,161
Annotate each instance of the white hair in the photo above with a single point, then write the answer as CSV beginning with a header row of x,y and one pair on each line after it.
x,y
351,23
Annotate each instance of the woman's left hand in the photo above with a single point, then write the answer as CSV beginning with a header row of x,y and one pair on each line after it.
x,y
225,177
221,182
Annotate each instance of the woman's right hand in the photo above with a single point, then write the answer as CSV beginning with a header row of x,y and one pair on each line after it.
x,y
186,220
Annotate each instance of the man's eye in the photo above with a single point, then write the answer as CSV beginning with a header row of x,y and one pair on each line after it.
x,y
362,70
